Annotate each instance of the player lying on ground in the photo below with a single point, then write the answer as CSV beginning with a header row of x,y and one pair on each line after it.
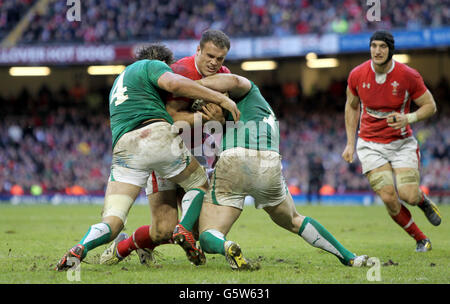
x,y
144,140
379,95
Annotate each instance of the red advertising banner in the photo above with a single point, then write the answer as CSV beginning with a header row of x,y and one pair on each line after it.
x,y
80,54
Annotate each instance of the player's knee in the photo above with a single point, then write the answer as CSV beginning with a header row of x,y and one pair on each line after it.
x,y
410,195
197,179
408,186
390,199
115,225
382,183
388,194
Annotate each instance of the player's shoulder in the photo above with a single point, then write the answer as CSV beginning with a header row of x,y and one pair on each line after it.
x,y
406,70
149,63
224,69
359,70
185,66
185,62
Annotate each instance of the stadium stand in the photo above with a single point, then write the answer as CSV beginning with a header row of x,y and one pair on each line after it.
x,y
61,139
11,12
110,21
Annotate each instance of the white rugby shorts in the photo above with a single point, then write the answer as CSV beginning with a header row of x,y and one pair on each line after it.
x,y
155,147
157,184
242,172
402,153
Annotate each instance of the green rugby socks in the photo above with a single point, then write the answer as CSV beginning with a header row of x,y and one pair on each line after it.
x,y
316,235
212,241
97,235
191,205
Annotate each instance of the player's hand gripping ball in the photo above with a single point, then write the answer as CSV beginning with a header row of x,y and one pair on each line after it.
x,y
197,105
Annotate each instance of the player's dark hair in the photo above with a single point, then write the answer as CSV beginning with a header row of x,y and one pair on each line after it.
x,y
386,37
156,51
218,38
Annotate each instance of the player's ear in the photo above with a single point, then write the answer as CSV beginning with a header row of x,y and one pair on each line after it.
x,y
198,49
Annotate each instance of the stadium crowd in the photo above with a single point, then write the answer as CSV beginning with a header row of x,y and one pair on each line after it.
x,y
11,12
61,140
110,21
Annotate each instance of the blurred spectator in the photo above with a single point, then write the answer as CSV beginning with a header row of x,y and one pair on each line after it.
x,y
316,172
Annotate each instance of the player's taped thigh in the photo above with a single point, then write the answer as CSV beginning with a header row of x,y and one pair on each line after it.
x,y
378,180
196,180
117,205
407,177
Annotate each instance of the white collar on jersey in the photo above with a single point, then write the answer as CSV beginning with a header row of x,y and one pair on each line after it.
x,y
380,78
196,67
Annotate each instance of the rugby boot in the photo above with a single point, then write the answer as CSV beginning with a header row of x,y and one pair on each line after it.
x,y
358,261
423,245
186,240
65,263
236,259
431,211
110,256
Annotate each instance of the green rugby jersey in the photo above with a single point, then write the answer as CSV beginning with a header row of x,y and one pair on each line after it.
x,y
135,98
257,128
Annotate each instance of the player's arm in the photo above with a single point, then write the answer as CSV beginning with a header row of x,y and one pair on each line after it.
x,y
182,86
236,86
178,111
352,112
427,107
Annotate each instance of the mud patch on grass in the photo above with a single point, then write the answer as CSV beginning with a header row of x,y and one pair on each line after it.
x,y
390,263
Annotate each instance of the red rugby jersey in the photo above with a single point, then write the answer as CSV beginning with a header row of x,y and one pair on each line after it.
x,y
187,68
382,94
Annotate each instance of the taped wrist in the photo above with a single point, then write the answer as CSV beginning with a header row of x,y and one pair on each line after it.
x,y
411,117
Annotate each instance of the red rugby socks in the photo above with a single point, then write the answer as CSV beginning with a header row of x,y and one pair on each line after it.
x,y
404,220
139,239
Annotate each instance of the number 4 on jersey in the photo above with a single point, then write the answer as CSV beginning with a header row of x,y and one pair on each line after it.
x,y
118,91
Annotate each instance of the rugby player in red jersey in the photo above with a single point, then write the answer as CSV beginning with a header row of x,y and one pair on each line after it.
x,y
162,193
379,96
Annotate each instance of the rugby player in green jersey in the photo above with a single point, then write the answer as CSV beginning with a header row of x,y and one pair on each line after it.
x,y
164,196
144,140
250,164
